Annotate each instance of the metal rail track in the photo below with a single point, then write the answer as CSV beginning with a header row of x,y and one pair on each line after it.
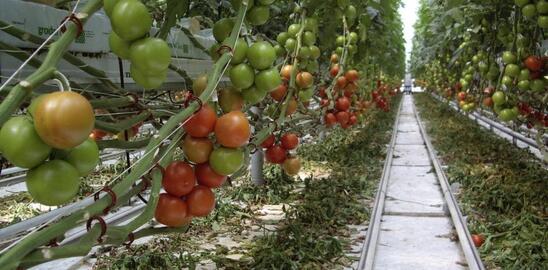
x,y
369,251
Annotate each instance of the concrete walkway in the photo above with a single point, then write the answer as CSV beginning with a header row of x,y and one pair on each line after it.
x,y
415,230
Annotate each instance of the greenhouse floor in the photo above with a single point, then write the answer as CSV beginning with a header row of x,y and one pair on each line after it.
x,y
415,230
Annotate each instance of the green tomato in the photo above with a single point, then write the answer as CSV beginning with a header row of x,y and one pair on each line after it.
x,y
315,52
529,11
537,85
258,15
282,38
506,115
524,85
253,95
521,3
352,49
542,7
509,58
483,67
130,19
280,51
524,74
304,53
512,70
150,55
293,30
242,76
312,66
306,94
339,50
493,72
309,38
148,81
222,29
240,51
118,46
55,182
268,80
340,41
311,24
108,6
261,55
353,37
32,107
20,143
542,21
507,80
351,12
83,157
226,161
499,98
290,44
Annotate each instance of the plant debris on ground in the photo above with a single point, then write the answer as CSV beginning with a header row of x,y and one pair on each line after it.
x,y
504,189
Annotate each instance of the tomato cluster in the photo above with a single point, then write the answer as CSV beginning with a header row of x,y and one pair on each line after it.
x,y
188,184
150,57
278,152
52,141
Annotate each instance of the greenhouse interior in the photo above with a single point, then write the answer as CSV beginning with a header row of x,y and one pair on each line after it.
x,y
273,134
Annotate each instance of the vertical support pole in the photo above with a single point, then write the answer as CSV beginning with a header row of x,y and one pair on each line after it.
x,y
126,135
257,162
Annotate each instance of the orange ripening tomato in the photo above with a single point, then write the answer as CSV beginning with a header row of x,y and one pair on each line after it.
x,y
233,130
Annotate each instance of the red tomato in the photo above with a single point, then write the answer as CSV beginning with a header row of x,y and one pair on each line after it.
x,y
353,120
289,141
334,70
342,104
276,154
232,130
279,93
352,75
171,211
207,177
343,118
330,119
179,178
97,134
341,82
533,63
201,201
268,142
461,96
322,92
291,107
478,239
201,123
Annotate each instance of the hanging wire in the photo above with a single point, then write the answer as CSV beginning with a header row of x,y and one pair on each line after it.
x,y
39,48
